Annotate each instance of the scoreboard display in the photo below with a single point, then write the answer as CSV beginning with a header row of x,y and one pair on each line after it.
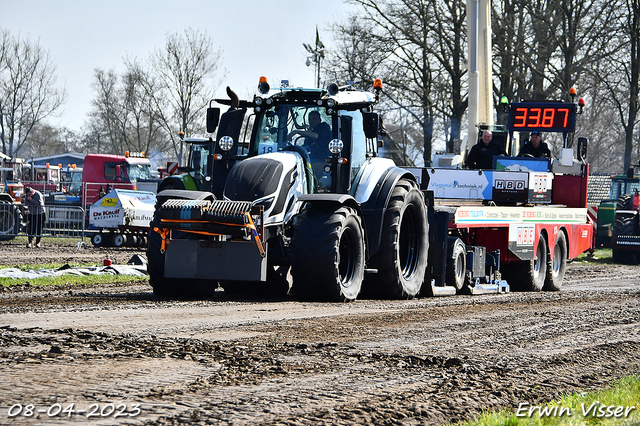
x,y
542,116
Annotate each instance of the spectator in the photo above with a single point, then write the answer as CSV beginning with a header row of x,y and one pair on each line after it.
x,y
36,215
481,154
535,147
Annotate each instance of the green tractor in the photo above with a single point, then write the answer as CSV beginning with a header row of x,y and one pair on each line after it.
x,y
621,185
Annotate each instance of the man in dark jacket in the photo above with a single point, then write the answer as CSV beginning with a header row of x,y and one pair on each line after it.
x,y
535,147
35,202
481,154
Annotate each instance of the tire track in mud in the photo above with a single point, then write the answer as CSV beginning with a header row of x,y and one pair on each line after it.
x,y
424,361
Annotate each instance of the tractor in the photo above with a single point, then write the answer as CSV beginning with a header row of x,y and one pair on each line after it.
x,y
290,197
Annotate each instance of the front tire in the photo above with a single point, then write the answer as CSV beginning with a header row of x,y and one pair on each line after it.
x,y
327,254
401,259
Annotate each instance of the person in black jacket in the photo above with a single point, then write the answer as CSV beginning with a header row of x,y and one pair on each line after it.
x,y
36,215
535,147
481,154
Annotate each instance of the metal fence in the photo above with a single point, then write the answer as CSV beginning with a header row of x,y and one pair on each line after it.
x,y
60,222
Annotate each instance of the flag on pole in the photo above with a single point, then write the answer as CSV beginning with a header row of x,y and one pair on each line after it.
x,y
319,44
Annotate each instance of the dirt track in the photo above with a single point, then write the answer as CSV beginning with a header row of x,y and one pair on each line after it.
x,y
424,361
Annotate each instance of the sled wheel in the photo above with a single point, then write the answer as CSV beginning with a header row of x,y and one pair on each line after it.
x,y
529,275
557,264
119,240
97,239
456,263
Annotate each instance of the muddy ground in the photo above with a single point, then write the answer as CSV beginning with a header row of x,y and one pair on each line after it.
x,y
131,358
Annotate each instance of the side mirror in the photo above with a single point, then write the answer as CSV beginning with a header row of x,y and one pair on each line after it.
x,y
213,118
582,149
371,123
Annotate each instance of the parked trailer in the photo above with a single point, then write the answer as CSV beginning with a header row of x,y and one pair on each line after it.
x,y
330,222
122,218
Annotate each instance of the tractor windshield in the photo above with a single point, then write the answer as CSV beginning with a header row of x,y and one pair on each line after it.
x,y
287,126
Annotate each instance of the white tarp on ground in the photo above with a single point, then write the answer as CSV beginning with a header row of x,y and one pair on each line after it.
x,y
137,266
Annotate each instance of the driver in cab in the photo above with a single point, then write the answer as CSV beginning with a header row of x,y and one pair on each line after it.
x,y
316,142
319,132
535,147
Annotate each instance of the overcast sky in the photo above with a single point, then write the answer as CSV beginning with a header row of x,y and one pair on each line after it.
x,y
256,37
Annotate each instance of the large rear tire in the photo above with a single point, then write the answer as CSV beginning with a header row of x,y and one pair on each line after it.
x,y
557,264
10,220
401,260
327,254
529,275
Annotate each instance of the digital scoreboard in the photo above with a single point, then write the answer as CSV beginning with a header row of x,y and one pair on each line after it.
x,y
542,116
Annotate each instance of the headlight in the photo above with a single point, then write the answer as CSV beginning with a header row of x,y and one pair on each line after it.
x,y
225,143
257,101
331,103
335,146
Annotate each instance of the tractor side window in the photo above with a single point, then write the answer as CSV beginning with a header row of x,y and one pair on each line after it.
x,y
199,161
268,133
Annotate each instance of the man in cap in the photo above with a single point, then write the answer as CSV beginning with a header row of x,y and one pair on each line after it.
x,y
535,147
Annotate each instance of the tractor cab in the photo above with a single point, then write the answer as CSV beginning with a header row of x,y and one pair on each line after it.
x,y
324,127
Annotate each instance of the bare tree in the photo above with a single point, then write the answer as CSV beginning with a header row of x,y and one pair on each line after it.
x,y
425,45
27,90
124,115
178,82
358,54
622,77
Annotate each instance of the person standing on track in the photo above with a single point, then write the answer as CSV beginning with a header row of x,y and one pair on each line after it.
x,y
36,216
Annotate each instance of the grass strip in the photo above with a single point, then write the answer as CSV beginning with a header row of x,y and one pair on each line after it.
x,y
617,405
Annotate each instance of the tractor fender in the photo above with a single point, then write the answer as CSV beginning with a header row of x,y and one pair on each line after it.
x,y
184,181
374,208
337,200
341,199
6,198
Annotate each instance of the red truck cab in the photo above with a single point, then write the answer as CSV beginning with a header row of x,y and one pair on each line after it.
x,y
102,172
